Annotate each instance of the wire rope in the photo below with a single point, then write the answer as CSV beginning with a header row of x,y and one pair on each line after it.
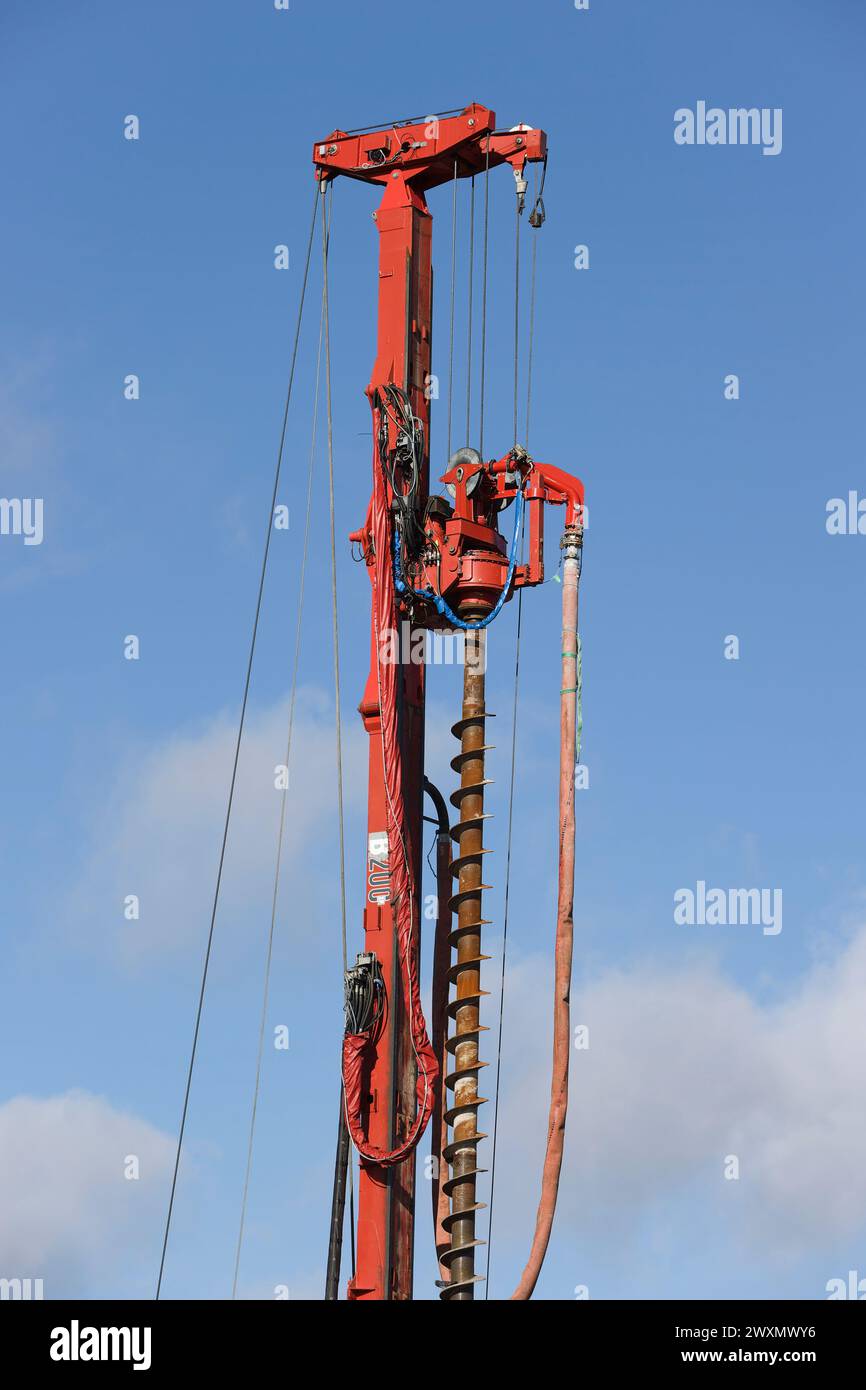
x,y
233,781
283,804
510,824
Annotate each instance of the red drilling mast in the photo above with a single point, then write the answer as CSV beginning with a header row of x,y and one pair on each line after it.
x,y
432,563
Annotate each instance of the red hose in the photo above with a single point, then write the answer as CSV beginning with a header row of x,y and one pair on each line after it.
x,y
564,925
438,1007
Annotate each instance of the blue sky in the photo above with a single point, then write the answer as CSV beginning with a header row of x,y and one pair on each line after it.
x,y
707,518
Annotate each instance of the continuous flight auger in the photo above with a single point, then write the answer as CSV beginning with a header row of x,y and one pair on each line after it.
x,y
465,975
434,563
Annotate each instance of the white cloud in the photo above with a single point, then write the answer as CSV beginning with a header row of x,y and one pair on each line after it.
x,y
70,1216
685,1065
160,835
684,1068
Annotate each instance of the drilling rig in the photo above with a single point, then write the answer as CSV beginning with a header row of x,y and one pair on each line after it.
x,y
436,563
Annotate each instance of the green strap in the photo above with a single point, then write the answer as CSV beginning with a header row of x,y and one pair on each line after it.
x,y
578,691
579,700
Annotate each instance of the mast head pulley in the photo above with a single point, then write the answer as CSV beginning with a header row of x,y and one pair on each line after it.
x,y
431,151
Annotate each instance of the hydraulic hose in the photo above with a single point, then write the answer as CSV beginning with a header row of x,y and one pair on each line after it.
x,y
359,1048
572,548
338,1207
439,1004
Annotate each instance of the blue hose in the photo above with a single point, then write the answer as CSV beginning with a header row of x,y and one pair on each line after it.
x,y
438,601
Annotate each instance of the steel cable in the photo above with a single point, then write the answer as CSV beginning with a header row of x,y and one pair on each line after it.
x,y
453,279
508,837
334,613
283,802
338,716
241,721
469,313
484,298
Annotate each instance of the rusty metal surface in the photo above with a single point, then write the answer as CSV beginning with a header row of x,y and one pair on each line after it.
x,y
463,1010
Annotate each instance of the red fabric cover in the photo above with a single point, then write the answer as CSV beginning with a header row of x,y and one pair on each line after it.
x,y
359,1048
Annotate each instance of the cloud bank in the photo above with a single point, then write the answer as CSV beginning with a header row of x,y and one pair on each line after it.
x,y
684,1069
71,1216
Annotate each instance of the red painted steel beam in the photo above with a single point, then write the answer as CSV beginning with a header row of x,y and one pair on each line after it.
x,y
424,152
386,1196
